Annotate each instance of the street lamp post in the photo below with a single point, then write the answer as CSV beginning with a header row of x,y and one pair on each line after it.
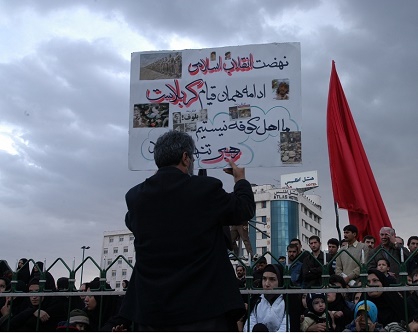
x,y
82,263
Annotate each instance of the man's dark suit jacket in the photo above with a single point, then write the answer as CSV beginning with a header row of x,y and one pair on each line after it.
x,y
182,272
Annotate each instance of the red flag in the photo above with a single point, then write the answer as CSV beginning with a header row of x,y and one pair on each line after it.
x,y
353,183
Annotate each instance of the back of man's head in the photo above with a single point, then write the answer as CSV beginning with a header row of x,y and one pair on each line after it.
x,y
170,146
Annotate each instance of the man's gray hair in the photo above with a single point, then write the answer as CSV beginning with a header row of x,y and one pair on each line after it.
x,y
388,230
170,147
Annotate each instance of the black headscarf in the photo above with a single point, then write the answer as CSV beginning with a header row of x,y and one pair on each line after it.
x,y
339,304
278,270
390,304
49,279
109,308
23,273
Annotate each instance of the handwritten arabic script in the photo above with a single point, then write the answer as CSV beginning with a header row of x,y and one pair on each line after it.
x,y
240,64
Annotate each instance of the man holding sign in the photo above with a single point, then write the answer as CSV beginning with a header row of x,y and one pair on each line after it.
x,y
183,279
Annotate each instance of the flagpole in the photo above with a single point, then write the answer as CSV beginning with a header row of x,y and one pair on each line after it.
x,y
337,221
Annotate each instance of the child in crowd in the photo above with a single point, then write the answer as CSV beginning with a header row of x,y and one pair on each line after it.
x,y
317,319
78,321
365,318
384,267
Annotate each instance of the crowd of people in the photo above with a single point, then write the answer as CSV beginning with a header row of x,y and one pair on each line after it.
x,y
54,310
377,310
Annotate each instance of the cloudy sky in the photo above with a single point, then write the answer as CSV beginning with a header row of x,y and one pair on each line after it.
x,y
64,103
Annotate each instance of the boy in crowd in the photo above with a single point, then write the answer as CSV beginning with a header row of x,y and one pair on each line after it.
x,y
383,266
316,319
365,318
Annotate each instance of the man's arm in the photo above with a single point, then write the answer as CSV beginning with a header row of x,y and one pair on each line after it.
x,y
338,264
244,193
373,263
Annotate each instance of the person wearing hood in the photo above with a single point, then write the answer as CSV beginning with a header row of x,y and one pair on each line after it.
x,y
317,319
42,314
365,318
268,313
13,306
22,271
337,304
94,304
36,273
389,303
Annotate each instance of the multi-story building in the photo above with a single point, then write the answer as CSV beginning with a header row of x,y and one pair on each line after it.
x,y
118,248
283,214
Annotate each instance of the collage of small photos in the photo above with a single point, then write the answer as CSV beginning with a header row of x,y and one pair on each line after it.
x,y
186,121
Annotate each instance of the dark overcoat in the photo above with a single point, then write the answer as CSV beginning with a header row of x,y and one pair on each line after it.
x,y
182,272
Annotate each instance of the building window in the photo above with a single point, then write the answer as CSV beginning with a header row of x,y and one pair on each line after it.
x,y
263,250
105,251
115,250
109,261
263,204
264,219
264,236
131,238
123,272
130,260
113,273
119,261
117,285
110,239
120,239
125,249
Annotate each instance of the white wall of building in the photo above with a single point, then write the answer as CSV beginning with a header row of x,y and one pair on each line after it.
x,y
115,243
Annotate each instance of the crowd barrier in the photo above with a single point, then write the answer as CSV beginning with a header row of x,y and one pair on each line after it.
x,y
287,288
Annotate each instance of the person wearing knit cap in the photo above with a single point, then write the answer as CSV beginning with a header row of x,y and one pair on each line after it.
x,y
316,319
79,319
365,318
268,312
